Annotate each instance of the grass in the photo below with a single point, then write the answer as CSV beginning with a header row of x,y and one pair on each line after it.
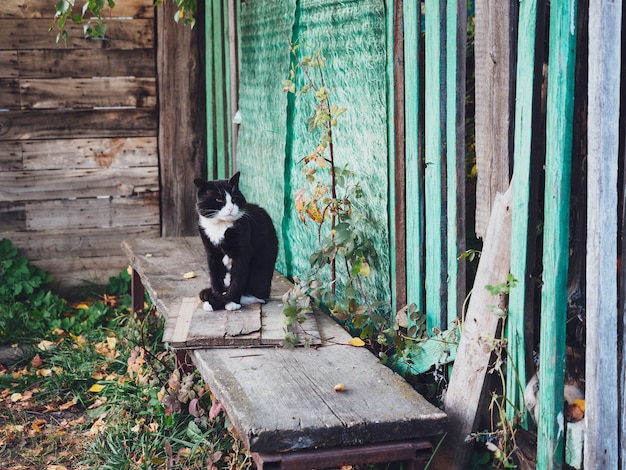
x,y
99,389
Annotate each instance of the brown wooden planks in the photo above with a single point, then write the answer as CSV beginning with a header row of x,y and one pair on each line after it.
x,y
98,212
59,63
122,152
65,124
77,243
8,64
27,34
61,184
83,93
45,9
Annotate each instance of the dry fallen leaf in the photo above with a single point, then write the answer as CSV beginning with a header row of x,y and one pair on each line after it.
x,y
357,342
339,388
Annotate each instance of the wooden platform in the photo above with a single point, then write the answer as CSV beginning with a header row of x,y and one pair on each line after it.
x,y
283,400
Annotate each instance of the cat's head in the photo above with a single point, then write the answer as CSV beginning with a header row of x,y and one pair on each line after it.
x,y
220,199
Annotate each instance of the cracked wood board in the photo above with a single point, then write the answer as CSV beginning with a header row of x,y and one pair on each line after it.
x,y
283,399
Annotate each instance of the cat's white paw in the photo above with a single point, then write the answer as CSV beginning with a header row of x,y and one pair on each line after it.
x,y
233,306
207,307
250,299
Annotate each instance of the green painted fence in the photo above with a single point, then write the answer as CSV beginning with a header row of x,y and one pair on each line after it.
x,y
401,70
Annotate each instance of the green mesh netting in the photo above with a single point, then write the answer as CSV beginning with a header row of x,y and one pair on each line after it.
x,y
274,136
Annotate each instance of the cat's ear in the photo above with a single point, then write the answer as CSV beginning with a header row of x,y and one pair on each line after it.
x,y
199,182
234,180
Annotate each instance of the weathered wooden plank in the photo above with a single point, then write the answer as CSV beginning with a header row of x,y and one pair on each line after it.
x,y
413,167
33,34
77,243
59,184
467,388
45,9
86,153
182,129
61,124
72,276
85,93
602,441
456,39
492,50
8,64
560,103
9,94
10,156
433,173
12,216
264,390
76,63
524,99
104,212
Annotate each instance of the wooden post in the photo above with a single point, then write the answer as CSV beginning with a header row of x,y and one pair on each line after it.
x,y
182,128
601,391
560,101
413,165
435,226
467,390
524,99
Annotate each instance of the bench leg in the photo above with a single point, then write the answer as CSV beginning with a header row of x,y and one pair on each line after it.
x,y
415,455
137,292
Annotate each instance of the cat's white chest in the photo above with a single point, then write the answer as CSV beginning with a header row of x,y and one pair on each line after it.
x,y
214,229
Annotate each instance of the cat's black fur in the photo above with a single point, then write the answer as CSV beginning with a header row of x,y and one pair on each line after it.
x,y
249,240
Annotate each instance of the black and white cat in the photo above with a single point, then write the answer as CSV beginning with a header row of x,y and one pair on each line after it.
x,y
240,243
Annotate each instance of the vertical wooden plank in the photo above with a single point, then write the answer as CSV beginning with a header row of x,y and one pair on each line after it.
x,y
219,87
400,171
413,171
182,122
601,387
233,21
391,145
492,46
210,94
456,26
228,117
560,101
524,98
433,173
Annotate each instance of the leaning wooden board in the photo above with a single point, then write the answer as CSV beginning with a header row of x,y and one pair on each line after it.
x,y
174,271
282,399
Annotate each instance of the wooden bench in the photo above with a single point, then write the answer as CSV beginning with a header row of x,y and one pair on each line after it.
x,y
282,402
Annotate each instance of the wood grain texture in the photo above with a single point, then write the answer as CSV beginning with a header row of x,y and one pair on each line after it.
x,y
101,212
45,9
85,93
492,46
182,129
77,63
280,399
9,64
65,124
120,152
467,388
29,34
56,184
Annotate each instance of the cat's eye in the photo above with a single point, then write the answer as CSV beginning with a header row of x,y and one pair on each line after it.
x,y
220,200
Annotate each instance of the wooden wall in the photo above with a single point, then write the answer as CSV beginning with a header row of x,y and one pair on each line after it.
x,y
78,139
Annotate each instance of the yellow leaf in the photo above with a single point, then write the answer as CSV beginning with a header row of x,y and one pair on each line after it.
x,y
44,372
15,397
365,269
111,342
314,213
82,306
189,275
357,342
96,388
